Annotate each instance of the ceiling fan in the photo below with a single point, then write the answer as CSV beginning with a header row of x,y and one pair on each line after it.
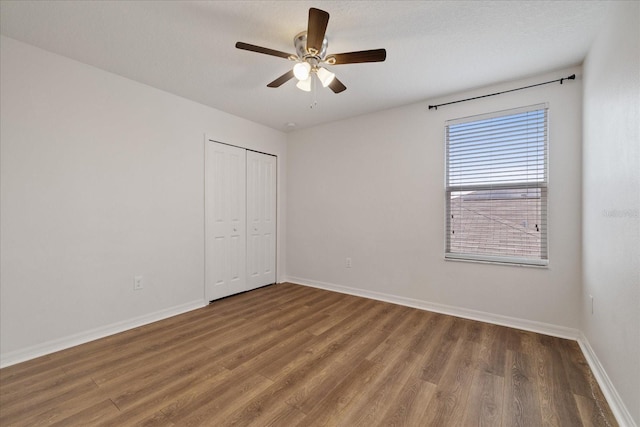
x,y
311,55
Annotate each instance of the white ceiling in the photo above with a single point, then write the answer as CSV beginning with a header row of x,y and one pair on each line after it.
x,y
187,48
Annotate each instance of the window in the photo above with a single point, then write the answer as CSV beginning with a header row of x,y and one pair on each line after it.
x,y
496,187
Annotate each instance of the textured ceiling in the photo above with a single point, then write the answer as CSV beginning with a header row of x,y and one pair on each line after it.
x,y
434,48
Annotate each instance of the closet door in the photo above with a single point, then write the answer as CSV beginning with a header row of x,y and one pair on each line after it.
x,y
261,219
225,220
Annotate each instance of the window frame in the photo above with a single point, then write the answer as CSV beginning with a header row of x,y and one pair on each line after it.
x,y
543,187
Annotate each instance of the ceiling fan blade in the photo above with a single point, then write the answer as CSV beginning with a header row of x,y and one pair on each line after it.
x,y
336,86
282,79
260,49
318,20
374,55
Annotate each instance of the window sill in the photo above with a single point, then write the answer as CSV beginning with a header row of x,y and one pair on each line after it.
x,y
543,264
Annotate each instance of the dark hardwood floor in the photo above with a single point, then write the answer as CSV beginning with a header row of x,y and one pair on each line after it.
x,y
288,355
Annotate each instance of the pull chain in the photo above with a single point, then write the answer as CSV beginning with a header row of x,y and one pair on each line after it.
x,y
314,100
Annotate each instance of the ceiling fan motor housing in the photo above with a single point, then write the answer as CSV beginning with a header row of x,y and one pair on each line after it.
x,y
300,42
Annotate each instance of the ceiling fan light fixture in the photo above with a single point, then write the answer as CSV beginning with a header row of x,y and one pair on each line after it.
x,y
301,70
325,76
311,48
305,85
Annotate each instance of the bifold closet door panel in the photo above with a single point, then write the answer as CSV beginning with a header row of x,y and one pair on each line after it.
x,y
261,219
225,220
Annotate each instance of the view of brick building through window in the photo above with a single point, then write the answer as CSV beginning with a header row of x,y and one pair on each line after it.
x,y
509,224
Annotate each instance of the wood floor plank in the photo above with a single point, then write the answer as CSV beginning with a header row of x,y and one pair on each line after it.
x,y
219,403
529,343
325,344
61,411
33,386
307,379
22,379
492,350
511,338
286,355
474,331
287,416
151,333
130,352
581,379
153,367
448,405
330,409
374,401
202,391
457,329
439,355
592,414
521,404
33,367
557,407
577,369
325,301
325,381
338,315
264,411
393,317
485,402
249,349
156,420
355,348
277,301
45,399
91,415
178,391
423,330
142,391
273,398
278,355
255,325
410,406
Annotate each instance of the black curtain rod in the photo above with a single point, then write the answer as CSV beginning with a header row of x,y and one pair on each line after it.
x,y
571,77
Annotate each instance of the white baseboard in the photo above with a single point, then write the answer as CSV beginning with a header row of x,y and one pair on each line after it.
x,y
283,279
52,346
512,322
613,398
616,404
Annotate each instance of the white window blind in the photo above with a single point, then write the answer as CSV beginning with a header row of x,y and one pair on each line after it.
x,y
496,187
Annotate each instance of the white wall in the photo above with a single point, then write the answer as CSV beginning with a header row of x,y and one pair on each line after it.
x,y
611,208
101,180
372,188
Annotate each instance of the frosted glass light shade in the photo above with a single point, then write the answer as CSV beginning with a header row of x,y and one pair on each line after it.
x,y
325,76
301,70
305,85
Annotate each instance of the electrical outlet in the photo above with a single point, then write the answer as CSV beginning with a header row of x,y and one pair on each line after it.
x,y
591,296
347,263
137,283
